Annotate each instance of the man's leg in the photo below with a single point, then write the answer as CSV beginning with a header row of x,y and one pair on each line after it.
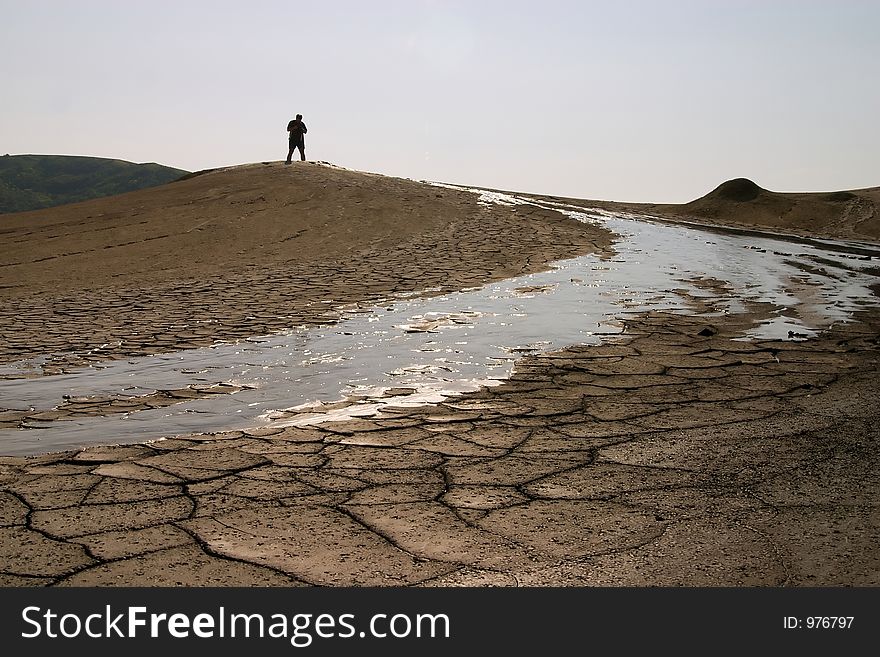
x,y
290,154
302,151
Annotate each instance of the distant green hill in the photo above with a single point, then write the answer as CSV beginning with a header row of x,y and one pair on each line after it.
x,y
31,182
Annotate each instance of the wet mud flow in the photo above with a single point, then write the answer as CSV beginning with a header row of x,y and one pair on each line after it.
x,y
420,349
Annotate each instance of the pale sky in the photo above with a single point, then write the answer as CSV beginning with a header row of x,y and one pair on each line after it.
x,y
630,100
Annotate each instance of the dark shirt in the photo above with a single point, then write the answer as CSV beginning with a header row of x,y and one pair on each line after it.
x,y
296,129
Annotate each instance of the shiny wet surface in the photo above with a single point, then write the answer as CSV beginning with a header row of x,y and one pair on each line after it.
x,y
419,349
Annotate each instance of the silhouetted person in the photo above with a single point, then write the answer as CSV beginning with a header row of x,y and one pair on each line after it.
x,y
297,130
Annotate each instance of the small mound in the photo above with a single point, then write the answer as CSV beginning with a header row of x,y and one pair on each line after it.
x,y
740,190
849,214
840,197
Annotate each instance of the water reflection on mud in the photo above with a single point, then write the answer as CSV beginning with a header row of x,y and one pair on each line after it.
x,y
415,350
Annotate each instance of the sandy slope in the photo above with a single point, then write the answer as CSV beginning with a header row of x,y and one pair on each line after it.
x,y
677,456
249,216
853,214
249,250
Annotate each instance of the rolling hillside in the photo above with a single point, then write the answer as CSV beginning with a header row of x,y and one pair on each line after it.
x,y
853,214
33,182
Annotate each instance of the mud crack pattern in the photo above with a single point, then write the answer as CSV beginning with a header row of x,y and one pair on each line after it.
x,y
674,456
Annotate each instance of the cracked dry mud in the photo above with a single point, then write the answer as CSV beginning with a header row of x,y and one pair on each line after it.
x,y
319,240
673,456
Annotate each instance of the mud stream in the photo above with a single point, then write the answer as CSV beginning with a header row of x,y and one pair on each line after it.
x,y
414,350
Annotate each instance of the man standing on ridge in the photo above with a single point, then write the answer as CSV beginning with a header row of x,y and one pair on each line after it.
x,y
297,130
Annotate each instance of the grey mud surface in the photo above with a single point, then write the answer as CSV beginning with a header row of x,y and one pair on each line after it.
x,y
678,455
62,330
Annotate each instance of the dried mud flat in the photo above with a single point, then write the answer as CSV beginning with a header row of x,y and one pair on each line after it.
x,y
249,251
675,456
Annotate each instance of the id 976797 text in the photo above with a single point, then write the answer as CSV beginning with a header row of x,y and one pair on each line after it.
x,y
818,622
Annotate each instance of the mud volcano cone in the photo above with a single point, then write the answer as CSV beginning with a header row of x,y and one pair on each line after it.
x,y
739,190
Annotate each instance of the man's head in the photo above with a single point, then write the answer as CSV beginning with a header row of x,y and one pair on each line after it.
x,y
299,117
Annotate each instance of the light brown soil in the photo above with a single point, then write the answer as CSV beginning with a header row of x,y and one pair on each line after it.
x,y
852,215
668,458
247,251
676,456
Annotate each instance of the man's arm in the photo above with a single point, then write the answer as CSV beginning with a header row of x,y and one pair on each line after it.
x,y
305,130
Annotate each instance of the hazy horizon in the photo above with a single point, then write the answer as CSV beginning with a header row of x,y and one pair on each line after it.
x,y
636,101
